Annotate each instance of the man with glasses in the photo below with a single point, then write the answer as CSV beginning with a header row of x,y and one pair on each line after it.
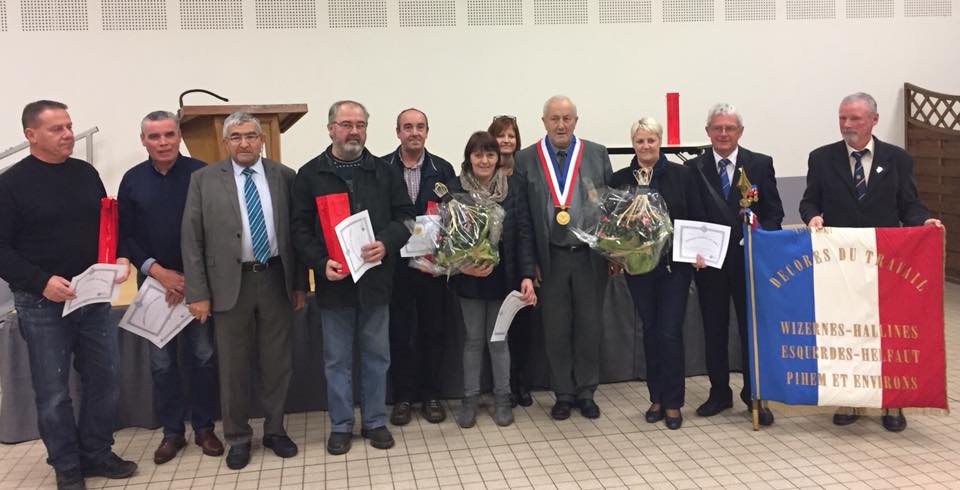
x,y
718,170
349,309
239,264
562,174
416,309
151,200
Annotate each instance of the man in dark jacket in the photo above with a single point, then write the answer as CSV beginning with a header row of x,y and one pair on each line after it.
x,y
349,309
416,309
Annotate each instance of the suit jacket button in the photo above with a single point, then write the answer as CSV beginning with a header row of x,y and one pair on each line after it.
x,y
238,235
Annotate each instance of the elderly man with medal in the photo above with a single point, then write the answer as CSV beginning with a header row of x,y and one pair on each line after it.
x,y
561,172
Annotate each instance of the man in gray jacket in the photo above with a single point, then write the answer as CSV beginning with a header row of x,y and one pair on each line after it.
x,y
563,174
238,262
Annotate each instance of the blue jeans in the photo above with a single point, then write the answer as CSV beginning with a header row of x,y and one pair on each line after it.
x,y
87,337
372,326
168,396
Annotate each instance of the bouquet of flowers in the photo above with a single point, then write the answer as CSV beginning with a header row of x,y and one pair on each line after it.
x,y
633,229
469,234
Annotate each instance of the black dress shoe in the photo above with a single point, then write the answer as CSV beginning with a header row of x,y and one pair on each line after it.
x,y
339,442
588,408
654,416
894,423
522,397
70,480
673,423
238,456
765,416
380,437
844,418
561,410
401,413
282,445
112,467
713,406
433,411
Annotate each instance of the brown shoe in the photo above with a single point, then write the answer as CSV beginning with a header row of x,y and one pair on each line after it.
x,y
168,449
209,443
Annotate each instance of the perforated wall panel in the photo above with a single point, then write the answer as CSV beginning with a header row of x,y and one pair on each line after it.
x,y
687,10
54,15
869,9
428,13
286,14
357,13
811,9
734,10
559,12
928,8
211,14
494,12
134,15
625,11
3,16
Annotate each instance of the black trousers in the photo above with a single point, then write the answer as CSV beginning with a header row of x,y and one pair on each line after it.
x,y
660,298
416,335
518,339
715,288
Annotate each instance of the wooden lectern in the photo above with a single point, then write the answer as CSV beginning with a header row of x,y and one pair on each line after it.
x,y
202,127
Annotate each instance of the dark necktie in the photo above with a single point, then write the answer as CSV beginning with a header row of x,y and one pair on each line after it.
x,y
561,175
724,178
859,178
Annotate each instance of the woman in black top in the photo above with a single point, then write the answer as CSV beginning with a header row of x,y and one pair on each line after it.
x,y
660,296
481,289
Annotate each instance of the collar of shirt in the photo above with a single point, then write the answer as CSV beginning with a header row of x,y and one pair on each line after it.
x,y
423,156
732,157
257,167
172,165
866,160
869,148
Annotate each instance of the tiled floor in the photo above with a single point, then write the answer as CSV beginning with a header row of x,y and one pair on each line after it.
x,y
619,450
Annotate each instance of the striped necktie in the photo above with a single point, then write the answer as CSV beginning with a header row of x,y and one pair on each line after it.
x,y
258,229
724,178
859,179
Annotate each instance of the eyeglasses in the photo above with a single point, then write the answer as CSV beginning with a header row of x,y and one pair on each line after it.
x,y
504,116
722,129
237,138
349,125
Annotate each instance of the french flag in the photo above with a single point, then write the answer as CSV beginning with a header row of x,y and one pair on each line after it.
x,y
847,316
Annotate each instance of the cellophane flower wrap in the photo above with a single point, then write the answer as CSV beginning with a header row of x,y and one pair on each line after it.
x,y
470,231
633,228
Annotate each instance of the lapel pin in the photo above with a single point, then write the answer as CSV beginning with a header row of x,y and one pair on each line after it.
x,y
879,169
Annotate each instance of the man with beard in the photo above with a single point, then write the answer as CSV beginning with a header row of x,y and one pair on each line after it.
x,y
348,309
416,309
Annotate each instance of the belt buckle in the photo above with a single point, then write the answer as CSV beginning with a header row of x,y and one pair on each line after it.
x,y
259,267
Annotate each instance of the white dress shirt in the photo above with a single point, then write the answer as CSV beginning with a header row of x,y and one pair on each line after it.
x,y
866,160
731,167
260,180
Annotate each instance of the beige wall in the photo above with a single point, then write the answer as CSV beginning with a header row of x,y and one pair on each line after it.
x,y
786,76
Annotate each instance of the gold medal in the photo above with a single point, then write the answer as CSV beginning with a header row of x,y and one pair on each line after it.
x,y
563,217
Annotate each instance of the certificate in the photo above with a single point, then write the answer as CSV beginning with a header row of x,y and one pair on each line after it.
x,y
97,284
508,309
353,233
150,317
708,240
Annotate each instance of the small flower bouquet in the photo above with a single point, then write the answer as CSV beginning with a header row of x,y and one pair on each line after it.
x,y
469,234
633,230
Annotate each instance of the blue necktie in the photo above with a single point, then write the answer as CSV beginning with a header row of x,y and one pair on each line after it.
x,y
859,179
724,178
258,229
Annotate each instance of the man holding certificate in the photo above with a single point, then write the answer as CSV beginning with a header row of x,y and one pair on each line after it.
x,y
561,174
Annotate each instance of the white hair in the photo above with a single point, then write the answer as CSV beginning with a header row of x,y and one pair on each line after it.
x,y
240,118
559,98
724,109
862,97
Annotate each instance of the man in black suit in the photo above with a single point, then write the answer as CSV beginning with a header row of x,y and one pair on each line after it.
x,y
862,182
718,170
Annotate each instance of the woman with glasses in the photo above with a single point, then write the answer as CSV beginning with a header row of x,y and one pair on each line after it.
x,y
660,296
482,289
507,133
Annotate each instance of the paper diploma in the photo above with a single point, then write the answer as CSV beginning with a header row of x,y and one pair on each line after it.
x,y
511,305
423,239
692,238
150,317
353,233
97,284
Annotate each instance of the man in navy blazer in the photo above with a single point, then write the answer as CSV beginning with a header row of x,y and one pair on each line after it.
x,y
718,170
861,181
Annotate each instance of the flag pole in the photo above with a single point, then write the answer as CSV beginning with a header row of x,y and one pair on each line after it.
x,y
748,193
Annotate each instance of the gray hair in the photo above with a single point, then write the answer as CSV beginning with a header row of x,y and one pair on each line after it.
x,y
332,114
862,97
240,117
647,124
160,116
724,109
559,98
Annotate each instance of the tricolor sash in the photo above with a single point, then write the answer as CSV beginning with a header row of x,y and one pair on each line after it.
x,y
561,195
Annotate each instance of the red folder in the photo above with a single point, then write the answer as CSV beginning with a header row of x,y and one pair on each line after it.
x,y
673,118
107,248
332,209
432,208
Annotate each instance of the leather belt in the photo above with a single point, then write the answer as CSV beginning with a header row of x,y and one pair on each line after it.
x,y
260,266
